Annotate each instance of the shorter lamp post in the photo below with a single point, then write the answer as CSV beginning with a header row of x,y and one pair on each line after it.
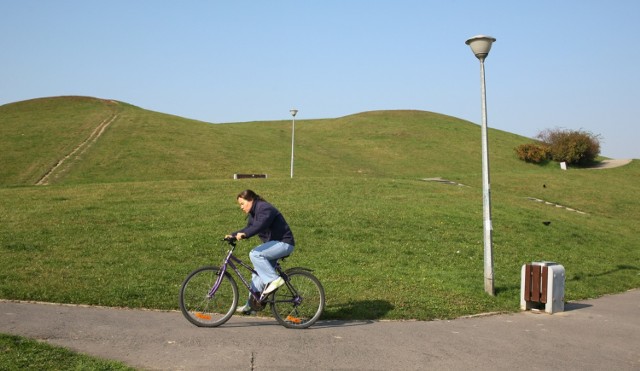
x,y
293,133
480,46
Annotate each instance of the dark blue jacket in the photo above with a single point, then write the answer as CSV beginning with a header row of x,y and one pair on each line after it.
x,y
268,223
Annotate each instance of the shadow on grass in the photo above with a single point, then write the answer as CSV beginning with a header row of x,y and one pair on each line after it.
x,y
619,267
358,310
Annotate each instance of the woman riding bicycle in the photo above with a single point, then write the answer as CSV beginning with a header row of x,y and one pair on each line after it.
x,y
265,221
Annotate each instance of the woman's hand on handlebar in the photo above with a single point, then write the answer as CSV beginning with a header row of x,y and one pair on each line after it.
x,y
238,236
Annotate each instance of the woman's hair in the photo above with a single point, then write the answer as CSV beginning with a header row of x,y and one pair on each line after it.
x,y
249,195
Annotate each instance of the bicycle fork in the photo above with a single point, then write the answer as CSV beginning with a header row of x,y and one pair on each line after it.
x,y
217,284
221,272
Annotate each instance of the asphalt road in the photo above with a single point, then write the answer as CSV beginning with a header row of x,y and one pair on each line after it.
x,y
600,334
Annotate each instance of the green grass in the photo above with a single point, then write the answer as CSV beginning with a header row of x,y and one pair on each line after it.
x,y
18,353
413,247
150,200
131,217
142,145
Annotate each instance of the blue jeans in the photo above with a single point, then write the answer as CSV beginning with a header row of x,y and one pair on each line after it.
x,y
264,258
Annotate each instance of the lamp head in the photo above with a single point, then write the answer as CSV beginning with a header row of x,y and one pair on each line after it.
x,y
481,45
293,112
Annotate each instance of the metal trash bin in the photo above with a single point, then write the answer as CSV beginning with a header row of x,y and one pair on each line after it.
x,y
542,287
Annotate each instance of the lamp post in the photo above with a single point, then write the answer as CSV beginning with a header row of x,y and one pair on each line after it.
x,y
293,133
480,46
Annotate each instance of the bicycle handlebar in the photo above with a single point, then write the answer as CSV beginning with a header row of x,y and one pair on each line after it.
x,y
230,240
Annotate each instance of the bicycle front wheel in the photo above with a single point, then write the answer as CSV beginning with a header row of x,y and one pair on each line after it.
x,y
300,302
203,309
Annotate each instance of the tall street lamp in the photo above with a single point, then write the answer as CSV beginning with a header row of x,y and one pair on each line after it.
x,y
480,46
293,133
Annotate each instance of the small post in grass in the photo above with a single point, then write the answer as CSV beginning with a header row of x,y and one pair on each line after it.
x,y
293,132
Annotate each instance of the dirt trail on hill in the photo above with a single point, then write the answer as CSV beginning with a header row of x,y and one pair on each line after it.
x,y
65,162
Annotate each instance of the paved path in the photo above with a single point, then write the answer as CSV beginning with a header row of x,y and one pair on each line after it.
x,y
600,334
610,164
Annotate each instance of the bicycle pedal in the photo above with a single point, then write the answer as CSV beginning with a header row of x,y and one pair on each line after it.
x,y
256,305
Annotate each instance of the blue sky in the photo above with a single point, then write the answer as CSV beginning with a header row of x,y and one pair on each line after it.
x,y
555,64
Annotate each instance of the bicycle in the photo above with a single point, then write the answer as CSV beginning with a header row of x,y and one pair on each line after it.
x,y
209,295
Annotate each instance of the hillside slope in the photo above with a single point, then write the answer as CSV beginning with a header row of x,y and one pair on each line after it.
x,y
142,145
37,134
146,202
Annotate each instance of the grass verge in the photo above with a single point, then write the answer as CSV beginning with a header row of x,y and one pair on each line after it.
x,y
383,248
19,353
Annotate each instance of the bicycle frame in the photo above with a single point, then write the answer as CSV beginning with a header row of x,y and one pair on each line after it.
x,y
230,261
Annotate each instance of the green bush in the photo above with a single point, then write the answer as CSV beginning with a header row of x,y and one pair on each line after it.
x,y
571,146
533,152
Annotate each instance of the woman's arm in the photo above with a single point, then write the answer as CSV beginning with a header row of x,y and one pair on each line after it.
x,y
262,219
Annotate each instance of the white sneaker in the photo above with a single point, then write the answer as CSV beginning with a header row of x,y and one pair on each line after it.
x,y
244,309
273,286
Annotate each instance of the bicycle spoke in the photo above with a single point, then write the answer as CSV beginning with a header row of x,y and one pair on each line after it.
x,y
303,309
198,307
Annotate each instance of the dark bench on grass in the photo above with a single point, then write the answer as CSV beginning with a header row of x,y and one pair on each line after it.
x,y
245,176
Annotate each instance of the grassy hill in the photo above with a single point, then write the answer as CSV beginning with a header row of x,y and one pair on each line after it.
x,y
144,145
129,213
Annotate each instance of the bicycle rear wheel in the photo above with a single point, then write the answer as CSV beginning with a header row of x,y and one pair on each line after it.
x,y
201,309
300,302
